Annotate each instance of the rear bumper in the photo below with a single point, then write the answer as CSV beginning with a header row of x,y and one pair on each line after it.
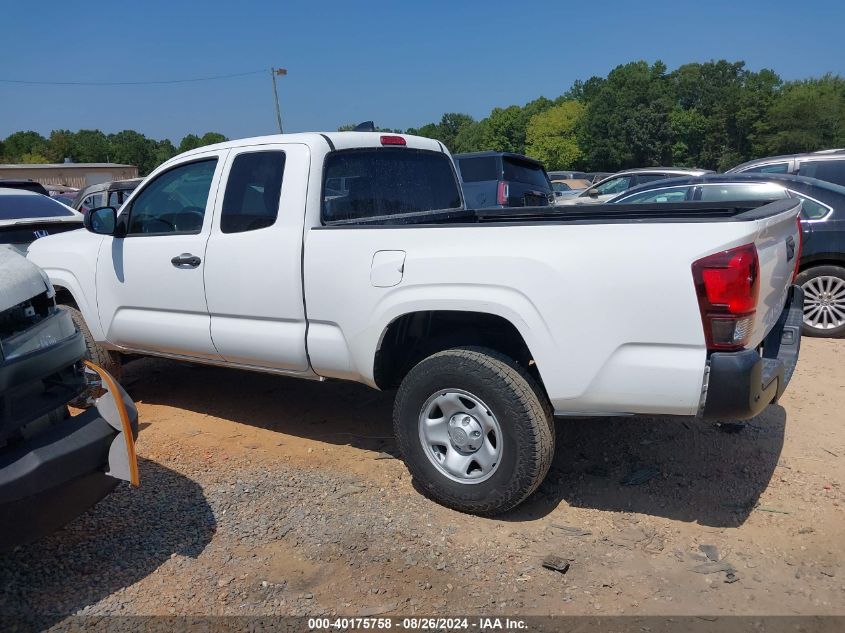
x,y
742,384
53,477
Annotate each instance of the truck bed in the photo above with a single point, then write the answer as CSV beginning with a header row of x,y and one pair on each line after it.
x,y
743,211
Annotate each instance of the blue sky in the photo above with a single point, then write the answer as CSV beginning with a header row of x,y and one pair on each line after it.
x,y
399,63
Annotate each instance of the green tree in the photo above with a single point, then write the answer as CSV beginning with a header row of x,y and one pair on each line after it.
x,y
626,123
33,158
471,138
164,150
805,116
551,135
447,130
132,148
726,99
90,146
210,138
20,143
189,142
60,146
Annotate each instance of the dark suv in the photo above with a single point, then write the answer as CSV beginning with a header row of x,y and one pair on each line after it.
x,y
826,165
502,179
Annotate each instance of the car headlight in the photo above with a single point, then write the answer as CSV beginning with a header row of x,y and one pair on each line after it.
x,y
49,331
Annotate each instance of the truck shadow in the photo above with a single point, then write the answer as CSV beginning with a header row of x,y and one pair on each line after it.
x,y
119,541
694,470
684,469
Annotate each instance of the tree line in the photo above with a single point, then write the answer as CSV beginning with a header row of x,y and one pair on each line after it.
x,y
93,146
712,115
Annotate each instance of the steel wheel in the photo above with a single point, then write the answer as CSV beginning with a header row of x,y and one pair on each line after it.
x,y
824,302
460,436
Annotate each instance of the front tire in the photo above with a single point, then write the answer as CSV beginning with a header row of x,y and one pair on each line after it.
x,y
824,301
108,360
474,429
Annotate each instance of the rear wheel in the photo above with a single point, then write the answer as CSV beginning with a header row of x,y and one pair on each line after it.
x,y
474,429
824,300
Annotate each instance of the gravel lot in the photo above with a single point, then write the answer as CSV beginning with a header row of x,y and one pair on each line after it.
x,y
264,495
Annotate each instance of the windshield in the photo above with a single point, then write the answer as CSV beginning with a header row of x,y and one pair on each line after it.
x,y
24,206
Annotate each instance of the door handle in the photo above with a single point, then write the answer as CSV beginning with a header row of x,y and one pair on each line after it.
x,y
186,260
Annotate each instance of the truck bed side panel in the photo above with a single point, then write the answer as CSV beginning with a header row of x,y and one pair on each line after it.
x,y
608,311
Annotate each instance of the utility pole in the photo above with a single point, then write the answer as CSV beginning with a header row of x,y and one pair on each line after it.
x,y
281,72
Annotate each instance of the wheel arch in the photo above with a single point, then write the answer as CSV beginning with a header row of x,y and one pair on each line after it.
x,y
69,292
414,335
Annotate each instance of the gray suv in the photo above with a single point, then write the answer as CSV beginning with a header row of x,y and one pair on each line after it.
x,y
826,165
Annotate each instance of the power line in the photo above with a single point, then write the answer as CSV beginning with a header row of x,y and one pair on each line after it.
x,y
128,83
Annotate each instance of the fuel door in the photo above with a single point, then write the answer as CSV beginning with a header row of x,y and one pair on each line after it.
x,y
387,268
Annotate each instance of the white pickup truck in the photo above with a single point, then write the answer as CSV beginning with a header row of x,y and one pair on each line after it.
x,y
351,256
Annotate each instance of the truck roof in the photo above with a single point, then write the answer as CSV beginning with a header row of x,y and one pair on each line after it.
x,y
329,140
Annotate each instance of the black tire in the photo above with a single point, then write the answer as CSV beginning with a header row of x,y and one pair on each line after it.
x,y
108,360
809,275
520,406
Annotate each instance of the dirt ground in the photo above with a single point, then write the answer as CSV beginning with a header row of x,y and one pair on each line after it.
x,y
266,495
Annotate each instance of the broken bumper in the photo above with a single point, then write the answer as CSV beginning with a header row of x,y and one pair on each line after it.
x,y
742,384
53,477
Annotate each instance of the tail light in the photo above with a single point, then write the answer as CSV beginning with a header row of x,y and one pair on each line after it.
x,y
727,285
799,249
502,193
392,140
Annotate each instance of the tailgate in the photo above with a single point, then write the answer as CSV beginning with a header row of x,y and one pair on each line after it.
x,y
778,241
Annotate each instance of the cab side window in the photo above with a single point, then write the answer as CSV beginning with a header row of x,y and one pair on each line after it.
x,y
174,202
253,190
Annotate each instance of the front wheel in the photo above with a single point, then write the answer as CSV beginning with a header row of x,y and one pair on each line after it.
x,y
824,300
474,430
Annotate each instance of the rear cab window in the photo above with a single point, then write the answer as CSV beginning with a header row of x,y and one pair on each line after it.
x,y
362,184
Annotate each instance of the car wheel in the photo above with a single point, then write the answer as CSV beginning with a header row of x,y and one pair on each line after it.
x,y
474,429
824,300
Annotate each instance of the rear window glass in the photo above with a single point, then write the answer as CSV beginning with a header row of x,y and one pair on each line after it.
x,y
776,168
668,194
479,169
735,193
830,170
19,207
526,173
811,209
644,178
389,181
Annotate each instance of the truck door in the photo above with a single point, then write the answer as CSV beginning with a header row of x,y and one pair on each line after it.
x,y
253,272
150,292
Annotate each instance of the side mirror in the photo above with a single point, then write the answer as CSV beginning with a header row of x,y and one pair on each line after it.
x,y
101,220
593,193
